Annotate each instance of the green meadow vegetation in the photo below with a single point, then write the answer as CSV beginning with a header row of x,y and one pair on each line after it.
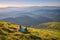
x,y
9,31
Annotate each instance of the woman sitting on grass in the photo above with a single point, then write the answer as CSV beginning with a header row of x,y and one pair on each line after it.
x,y
24,30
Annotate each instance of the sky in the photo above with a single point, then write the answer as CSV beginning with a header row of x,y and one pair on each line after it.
x,y
23,3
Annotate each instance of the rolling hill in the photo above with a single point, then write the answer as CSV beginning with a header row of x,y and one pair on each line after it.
x,y
30,15
8,32
49,25
27,20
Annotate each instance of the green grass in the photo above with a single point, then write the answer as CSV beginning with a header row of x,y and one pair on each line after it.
x,y
49,25
7,32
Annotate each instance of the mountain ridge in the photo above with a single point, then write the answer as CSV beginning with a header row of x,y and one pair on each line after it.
x,y
49,25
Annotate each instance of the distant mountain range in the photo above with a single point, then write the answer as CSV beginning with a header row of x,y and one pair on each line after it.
x,y
29,21
30,16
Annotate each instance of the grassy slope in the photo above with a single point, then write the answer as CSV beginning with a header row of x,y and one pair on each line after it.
x,y
49,25
7,32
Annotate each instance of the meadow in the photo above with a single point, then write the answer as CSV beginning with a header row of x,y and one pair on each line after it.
x,y
9,31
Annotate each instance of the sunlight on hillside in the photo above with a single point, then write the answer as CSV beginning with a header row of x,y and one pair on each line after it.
x,y
9,31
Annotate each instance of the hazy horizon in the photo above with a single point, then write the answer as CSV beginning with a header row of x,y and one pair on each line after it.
x,y
27,3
